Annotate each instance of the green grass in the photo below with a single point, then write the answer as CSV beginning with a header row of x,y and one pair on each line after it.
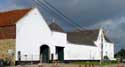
x,y
85,63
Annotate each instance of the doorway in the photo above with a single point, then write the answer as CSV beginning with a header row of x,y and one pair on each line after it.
x,y
60,53
44,54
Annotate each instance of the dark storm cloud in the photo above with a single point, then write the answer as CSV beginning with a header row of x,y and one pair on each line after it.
x,y
115,30
107,14
89,12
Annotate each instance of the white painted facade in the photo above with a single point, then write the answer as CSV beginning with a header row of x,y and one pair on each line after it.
x,y
32,31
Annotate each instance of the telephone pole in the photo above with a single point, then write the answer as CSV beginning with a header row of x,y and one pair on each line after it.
x,y
101,61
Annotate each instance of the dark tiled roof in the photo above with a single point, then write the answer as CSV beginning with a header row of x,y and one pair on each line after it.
x,y
8,32
11,17
86,37
106,38
55,27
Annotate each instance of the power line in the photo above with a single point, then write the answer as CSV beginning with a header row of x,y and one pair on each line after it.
x,y
47,9
58,13
61,13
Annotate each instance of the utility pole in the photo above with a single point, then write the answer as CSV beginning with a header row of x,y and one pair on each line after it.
x,y
101,61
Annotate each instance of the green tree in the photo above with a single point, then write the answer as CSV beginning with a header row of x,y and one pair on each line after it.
x,y
120,54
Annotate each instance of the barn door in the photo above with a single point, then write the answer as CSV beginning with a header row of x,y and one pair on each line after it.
x,y
60,53
44,54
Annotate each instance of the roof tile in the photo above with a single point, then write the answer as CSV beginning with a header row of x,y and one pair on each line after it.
x,y
11,17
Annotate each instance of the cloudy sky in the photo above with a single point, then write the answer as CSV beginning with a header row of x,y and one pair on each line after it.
x,y
89,14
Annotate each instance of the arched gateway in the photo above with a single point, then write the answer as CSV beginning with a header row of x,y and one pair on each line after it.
x,y
44,53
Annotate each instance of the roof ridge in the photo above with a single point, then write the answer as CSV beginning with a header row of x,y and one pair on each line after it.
x,y
84,30
54,26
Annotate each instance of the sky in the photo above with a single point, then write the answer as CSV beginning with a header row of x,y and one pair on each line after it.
x,y
89,14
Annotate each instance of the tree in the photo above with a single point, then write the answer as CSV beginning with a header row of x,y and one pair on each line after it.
x,y
120,54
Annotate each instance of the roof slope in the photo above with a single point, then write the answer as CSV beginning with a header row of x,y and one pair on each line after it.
x,y
8,21
55,27
106,38
11,17
86,37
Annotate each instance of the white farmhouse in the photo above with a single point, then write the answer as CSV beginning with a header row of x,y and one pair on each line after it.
x,y
38,41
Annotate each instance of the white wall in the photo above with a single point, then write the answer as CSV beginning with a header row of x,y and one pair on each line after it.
x,y
81,52
58,39
32,32
108,48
